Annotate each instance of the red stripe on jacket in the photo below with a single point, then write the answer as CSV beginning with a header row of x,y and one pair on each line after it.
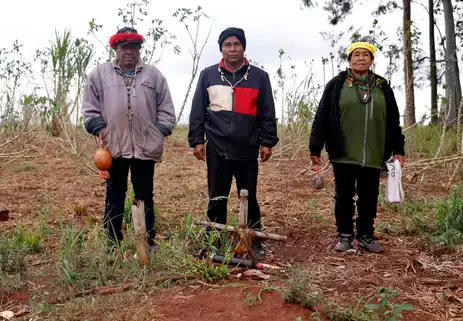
x,y
245,100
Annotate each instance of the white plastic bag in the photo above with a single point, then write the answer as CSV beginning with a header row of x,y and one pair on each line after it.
x,y
394,191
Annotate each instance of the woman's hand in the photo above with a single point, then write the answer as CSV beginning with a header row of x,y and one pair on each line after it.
x,y
400,158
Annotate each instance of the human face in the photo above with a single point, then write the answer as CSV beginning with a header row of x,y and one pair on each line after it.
x,y
360,61
232,51
128,55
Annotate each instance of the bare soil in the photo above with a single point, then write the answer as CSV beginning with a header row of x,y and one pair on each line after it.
x,y
417,268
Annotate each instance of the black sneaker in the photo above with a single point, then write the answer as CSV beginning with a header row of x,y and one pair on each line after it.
x,y
369,244
257,247
344,243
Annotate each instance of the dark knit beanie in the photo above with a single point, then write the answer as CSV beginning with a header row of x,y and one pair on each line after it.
x,y
229,32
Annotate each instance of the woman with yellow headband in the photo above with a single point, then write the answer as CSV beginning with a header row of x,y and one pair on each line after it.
x,y
358,123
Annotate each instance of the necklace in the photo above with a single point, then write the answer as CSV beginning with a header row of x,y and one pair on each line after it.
x,y
363,85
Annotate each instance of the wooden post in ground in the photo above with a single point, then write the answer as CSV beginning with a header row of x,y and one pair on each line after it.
x,y
139,226
243,214
244,247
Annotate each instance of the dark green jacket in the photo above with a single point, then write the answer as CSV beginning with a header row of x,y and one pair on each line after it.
x,y
363,128
326,128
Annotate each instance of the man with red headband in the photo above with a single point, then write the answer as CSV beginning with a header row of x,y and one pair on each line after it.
x,y
233,107
127,104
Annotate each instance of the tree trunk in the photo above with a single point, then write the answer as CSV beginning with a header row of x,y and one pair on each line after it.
x,y
452,77
408,66
433,73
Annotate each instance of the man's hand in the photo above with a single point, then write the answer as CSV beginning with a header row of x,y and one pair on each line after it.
x,y
400,158
265,153
200,152
315,160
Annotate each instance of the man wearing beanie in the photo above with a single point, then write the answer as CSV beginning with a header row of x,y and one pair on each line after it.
x,y
233,110
127,103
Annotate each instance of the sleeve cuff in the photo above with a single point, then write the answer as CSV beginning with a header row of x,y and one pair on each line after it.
x,y
94,125
164,129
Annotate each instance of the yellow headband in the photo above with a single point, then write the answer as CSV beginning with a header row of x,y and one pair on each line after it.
x,y
363,45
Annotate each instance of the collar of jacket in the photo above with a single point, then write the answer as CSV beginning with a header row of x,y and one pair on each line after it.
x,y
139,66
343,75
224,68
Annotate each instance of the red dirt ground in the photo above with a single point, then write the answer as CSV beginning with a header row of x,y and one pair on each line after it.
x,y
290,206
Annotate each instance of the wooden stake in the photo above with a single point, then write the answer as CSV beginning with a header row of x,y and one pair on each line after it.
x,y
139,226
261,235
243,216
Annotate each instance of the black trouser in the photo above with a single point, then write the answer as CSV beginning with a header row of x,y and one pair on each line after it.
x,y
220,172
351,179
142,172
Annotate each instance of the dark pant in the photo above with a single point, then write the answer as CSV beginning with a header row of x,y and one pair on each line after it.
x,y
142,172
220,172
351,179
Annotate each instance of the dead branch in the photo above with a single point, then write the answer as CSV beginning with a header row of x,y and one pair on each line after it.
x,y
441,143
12,154
431,161
21,154
117,288
455,171
6,162
72,141
19,136
196,56
433,165
417,123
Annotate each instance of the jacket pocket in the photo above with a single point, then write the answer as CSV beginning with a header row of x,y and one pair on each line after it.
x,y
111,142
149,90
153,142
148,85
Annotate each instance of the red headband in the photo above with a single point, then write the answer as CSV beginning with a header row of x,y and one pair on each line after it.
x,y
125,37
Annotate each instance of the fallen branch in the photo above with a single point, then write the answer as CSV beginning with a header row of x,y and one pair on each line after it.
x,y
435,164
19,136
22,154
6,162
418,123
433,160
116,288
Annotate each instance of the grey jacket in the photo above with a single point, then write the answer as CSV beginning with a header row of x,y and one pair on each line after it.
x,y
137,131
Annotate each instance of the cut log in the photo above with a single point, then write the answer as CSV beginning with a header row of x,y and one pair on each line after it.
x,y
261,235
139,226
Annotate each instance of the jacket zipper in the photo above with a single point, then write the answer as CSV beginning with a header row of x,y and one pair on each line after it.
x,y
130,113
365,136
233,98
372,103
233,115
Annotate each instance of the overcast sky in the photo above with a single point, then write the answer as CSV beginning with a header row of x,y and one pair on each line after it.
x,y
269,26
